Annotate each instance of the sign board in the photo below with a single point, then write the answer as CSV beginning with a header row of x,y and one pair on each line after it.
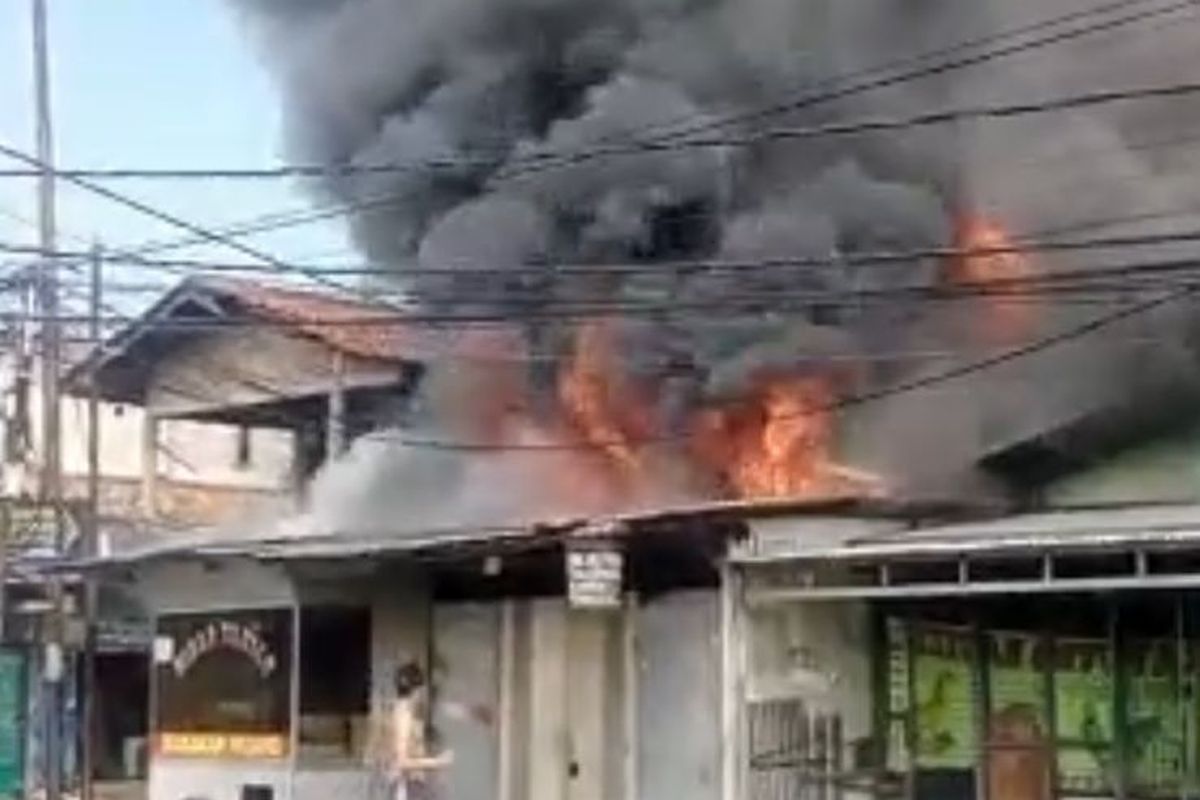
x,y
222,745
943,704
12,722
595,574
1083,710
33,527
223,684
164,650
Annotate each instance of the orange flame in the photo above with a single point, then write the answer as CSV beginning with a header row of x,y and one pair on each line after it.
x,y
778,443
610,451
607,413
1000,272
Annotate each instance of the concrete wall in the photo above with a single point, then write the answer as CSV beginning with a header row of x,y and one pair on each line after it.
x,y
199,478
192,779
188,451
557,704
820,655
816,651
561,694
679,697
253,365
189,586
467,675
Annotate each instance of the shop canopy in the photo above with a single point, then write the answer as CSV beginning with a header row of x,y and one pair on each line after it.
x,y
1102,549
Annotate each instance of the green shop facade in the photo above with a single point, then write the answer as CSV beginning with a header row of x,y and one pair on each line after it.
x,y
980,662
1042,696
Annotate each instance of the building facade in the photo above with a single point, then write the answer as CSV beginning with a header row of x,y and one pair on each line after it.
x,y
273,662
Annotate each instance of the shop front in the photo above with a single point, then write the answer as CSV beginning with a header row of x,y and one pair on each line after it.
x,y
1018,660
1037,697
259,683
568,665
223,684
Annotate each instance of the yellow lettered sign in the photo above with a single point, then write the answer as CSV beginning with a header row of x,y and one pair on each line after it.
x,y
222,745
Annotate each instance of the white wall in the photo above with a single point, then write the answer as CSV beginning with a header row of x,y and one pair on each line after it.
x,y
467,674
820,654
197,452
188,586
817,651
679,697
575,693
202,453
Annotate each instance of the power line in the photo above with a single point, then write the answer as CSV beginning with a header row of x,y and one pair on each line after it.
x,y
831,90
283,220
301,216
765,302
680,137
926,381
156,213
849,128
1018,246
906,387
491,158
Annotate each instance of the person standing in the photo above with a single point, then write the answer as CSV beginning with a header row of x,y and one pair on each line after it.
x,y
407,768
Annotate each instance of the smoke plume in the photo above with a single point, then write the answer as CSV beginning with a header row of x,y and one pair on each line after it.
x,y
478,97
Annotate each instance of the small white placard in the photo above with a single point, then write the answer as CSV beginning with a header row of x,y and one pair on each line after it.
x,y
595,576
164,649
53,668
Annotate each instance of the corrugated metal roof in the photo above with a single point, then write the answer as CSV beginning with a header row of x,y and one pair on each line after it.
x,y
307,544
1095,530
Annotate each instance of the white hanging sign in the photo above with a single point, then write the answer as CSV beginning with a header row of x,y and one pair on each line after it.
x,y
595,574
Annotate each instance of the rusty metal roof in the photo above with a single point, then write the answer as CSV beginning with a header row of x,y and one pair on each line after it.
x,y
369,329
342,322
401,542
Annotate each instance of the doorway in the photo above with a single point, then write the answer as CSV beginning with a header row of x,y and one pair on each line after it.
x,y
121,709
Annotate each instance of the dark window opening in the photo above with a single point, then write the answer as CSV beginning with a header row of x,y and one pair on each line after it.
x,y
335,672
123,686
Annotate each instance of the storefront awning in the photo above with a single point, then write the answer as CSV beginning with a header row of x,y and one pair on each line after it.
x,y
1064,551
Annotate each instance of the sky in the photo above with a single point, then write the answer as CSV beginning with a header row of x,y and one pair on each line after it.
x,y
159,84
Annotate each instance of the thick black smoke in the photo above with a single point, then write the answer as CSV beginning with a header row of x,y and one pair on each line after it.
x,y
487,87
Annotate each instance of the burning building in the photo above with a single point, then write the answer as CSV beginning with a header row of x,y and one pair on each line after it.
x,y
701,317
647,296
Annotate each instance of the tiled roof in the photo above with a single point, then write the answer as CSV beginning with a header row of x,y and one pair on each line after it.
x,y
341,322
346,323
362,328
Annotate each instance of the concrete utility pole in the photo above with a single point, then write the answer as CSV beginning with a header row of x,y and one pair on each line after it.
x,y
50,480
92,540
337,436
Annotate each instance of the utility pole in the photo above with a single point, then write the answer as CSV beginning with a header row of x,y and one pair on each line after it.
x,y
50,480
92,540
336,434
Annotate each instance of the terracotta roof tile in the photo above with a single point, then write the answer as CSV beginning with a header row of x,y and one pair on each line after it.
x,y
338,321
316,313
